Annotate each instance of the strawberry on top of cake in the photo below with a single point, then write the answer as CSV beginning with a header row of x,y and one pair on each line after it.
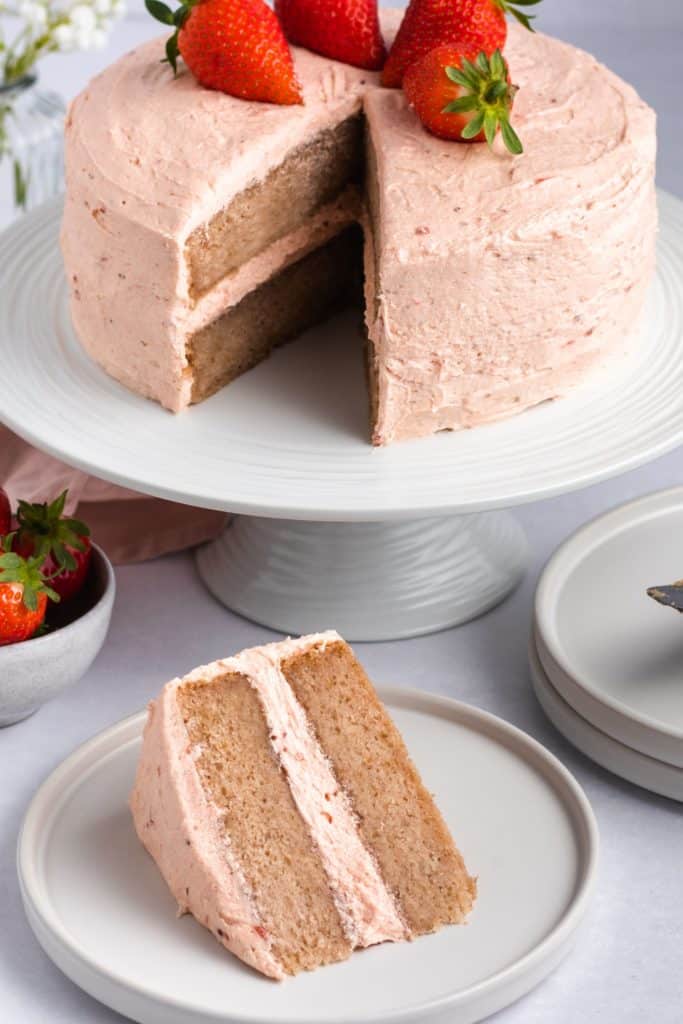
x,y
205,226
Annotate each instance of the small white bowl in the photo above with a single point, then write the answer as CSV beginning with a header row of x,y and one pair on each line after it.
x,y
36,670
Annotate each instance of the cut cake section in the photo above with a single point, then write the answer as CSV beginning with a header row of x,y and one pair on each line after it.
x,y
284,812
309,177
300,295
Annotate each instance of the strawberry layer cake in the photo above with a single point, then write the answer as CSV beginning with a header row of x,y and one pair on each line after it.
x,y
202,229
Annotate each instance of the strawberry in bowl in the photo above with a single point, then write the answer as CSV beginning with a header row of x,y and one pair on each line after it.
x,y
56,597
62,544
24,593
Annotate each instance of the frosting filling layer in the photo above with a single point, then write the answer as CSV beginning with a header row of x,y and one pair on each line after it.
x,y
203,872
366,907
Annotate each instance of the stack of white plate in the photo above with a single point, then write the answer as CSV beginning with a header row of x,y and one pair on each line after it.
x,y
606,660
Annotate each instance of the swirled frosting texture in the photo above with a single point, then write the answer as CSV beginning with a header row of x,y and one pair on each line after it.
x,y
499,282
493,282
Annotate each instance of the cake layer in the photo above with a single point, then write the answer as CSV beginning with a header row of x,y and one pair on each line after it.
x,y
277,311
310,177
150,159
227,728
271,834
397,817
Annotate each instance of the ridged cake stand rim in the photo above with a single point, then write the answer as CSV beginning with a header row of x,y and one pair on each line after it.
x,y
348,482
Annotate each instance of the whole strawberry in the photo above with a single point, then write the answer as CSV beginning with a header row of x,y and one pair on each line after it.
x,y
234,46
345,30
5,513
23,597
460,100
473,25
59,544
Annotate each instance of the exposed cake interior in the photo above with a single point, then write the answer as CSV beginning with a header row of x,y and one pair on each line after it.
x,y
286,759
309,177
243,780
299,296
398,819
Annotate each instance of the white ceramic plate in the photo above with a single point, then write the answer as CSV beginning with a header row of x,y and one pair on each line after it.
x,y
102,912
611,652
289,439
657,776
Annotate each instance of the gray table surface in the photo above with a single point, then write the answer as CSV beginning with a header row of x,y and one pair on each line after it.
x,y
627,967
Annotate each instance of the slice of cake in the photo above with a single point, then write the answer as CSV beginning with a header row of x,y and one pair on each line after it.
x,y
283,810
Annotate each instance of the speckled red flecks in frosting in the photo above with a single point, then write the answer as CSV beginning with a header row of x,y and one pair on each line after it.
x,y
502,282
182,829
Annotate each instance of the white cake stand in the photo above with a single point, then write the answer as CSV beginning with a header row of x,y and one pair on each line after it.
x,y
379,544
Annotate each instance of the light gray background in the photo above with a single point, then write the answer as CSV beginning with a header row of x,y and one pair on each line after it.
x,y
627,968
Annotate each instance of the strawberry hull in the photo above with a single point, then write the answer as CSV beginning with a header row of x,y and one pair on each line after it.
x,y
67,582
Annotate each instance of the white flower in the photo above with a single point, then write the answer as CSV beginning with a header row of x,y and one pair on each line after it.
x,y
118,9
98,39
83,39
102,6
83,18
65,37
34,14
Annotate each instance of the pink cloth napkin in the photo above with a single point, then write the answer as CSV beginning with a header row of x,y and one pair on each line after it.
x,y
129,526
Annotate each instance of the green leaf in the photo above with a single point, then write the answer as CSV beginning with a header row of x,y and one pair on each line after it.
x,y
56,509
523,3
10,561
460,106
483,63
498,67
183,13
523,19
30,598
471,71
457,76
172,52
78,527
490,126
495,91
511,138
473,127
160,11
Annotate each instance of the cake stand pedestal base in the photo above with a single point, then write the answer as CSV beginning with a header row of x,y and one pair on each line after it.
x,y
369,581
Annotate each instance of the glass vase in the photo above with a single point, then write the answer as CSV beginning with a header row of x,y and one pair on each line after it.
x,y
32,150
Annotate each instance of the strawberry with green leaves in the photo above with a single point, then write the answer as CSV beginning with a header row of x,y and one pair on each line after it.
x,y
345,30
461,100
473,25
235,46
59,544
24,595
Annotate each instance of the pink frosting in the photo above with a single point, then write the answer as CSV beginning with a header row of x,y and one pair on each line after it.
x,y
502,281
182,831
169,805
148,159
